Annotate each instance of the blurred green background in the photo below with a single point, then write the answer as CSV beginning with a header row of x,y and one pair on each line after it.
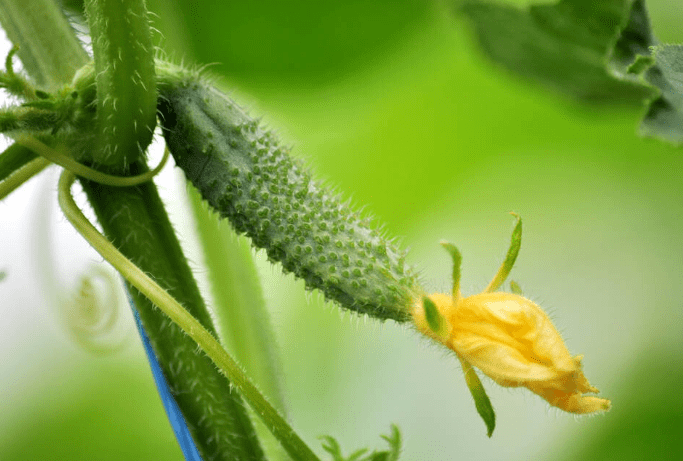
x,y
391,102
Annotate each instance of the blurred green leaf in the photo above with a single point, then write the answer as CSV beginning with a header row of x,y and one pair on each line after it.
x,y
566,46
664,118
595,51
292,42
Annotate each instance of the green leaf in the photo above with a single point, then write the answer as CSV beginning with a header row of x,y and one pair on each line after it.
x,y
664,118
595,51
565,46
481,400
331,446
633,43
637,56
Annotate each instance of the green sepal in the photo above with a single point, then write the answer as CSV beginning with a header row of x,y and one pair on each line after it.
x,y
510,257
436,321
515,288
457,261
481,400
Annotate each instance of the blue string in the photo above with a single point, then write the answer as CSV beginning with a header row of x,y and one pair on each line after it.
x,y
176,418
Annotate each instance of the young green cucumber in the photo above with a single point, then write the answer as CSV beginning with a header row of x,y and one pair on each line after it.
x,y
244,174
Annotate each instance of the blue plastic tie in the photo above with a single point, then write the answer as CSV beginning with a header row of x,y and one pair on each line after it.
x,y
182,432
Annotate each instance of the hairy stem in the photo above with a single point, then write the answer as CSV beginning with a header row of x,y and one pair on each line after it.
x,y
22,175
187,322
13,158
242,317
126,85
136,223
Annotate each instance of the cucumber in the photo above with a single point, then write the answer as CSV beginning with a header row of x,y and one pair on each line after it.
x,y
247,177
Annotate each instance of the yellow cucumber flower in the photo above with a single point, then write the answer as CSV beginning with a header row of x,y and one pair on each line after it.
x,y
509,338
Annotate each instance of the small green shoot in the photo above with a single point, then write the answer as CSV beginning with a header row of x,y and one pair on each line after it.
x,y
331,446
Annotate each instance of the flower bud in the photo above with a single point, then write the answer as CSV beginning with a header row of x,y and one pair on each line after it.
x,y
513,342
507,337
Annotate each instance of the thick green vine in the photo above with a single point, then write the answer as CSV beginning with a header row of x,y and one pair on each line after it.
x,y
126,87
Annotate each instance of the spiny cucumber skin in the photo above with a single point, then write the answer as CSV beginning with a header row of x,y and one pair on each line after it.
x,y
244,174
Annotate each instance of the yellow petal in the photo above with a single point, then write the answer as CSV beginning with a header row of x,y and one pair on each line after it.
x,y
573,402
509,338
513,341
